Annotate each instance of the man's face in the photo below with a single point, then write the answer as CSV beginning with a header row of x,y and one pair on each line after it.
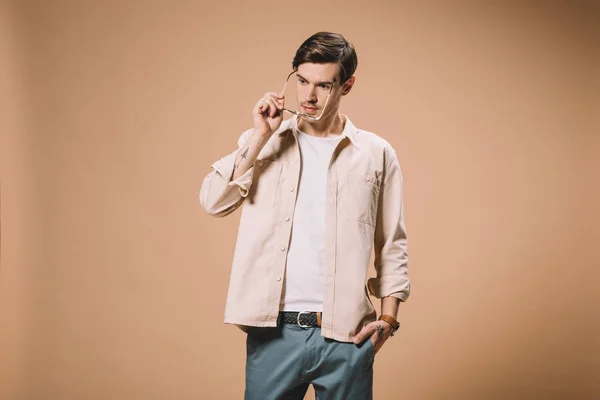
x,y
315,82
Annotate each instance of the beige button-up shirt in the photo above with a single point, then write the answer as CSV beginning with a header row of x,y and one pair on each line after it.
x,y
364,212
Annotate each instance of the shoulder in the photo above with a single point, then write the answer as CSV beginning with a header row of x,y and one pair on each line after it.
x,y
376,144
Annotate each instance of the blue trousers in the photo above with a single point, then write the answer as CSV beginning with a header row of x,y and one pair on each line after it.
x,y
282,362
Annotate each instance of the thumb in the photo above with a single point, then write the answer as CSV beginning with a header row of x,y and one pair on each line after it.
x,y
362,335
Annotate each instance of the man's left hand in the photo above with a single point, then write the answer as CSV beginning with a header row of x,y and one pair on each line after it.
x,y
377,331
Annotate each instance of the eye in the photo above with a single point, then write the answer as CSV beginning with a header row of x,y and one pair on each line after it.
x,y
302,81
325,86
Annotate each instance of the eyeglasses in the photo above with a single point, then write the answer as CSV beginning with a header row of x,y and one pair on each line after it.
x,y
305,115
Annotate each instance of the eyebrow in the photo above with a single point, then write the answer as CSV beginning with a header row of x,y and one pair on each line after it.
x,y
316,83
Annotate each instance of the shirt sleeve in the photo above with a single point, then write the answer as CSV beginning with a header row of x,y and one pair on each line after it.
x,y
220,195
391,253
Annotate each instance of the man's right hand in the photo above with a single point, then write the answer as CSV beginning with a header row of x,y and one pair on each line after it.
x,y
268,113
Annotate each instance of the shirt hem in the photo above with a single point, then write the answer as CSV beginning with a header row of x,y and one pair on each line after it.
x,y
249,323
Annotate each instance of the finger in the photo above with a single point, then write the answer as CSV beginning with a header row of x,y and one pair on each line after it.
x,y
377,342
265,98
273,108
375,339
358,338
366,332
276,95
263,107
260,106
276,101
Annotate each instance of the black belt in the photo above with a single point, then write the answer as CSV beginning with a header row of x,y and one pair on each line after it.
x,y
305,319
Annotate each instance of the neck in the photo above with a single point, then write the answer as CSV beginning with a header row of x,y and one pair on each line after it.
x,y
330,126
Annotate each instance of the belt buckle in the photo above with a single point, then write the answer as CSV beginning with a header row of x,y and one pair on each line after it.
x,y
298,319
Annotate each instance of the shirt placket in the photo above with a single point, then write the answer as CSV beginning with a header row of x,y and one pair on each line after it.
x,y
330,254
284,229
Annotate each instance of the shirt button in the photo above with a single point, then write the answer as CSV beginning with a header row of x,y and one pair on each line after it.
x,y
278,278
291,189
287,219
368,179
282,248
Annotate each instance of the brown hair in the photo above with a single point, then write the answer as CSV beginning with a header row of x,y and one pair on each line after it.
x,y
328,47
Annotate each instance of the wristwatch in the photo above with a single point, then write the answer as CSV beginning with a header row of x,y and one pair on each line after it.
x,y
392,321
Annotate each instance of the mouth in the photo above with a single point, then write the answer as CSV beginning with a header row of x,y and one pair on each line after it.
x,y
309,109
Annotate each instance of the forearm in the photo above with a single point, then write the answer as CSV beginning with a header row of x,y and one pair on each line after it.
x,y
389,306
246,156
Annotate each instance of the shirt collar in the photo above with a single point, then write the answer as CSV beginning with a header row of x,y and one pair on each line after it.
x,y
350,131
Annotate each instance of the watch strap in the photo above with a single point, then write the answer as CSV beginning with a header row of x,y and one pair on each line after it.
x,y
390,320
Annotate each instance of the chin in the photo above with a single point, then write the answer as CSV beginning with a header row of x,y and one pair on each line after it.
x,y
309,120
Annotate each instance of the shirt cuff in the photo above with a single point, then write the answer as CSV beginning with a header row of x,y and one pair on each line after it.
x,y
244,182
225,167
388,286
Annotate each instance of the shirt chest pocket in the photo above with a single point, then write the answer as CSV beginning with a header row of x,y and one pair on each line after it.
x,y
265,183
363,198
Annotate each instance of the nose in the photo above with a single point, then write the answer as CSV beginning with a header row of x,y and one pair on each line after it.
x,y
311,95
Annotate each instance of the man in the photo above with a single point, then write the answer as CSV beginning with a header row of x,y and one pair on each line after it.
x,y
318,195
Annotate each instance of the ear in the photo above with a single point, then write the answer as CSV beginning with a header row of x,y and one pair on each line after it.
x,y
347,87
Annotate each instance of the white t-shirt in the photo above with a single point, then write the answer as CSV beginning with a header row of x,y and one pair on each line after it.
x,y
304,283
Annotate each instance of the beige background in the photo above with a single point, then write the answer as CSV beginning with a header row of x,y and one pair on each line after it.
x,y
113,279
